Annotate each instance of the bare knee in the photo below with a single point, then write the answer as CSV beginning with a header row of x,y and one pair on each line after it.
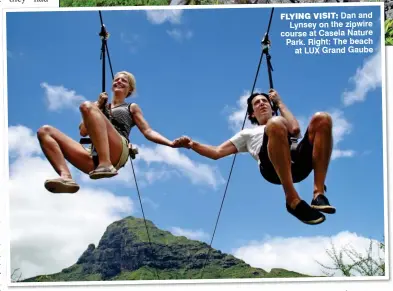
x,y
44,131
86,107
276,126
321,120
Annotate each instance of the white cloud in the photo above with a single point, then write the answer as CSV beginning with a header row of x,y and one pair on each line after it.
x,y
22,142
366,78
301,254
59,97
342,154
237,114
162,16
153,175
341,126
190,234
50,231
132,40
198,173
161,163
42,223
179,35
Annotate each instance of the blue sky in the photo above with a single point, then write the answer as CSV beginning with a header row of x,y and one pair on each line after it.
x,y
192,69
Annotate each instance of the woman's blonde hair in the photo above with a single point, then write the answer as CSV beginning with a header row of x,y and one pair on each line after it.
x,y
131,81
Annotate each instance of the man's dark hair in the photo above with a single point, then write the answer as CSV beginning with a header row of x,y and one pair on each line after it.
x,y
250,110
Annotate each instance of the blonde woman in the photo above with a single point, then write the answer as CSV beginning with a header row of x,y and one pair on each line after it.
x,y
109,134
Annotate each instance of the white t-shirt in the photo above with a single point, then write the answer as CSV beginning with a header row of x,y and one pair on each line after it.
x,y
249,140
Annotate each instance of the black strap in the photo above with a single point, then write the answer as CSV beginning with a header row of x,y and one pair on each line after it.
x,y
265,51
235,155
132,152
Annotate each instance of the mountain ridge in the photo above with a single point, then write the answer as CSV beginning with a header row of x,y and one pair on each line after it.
x,y
125,253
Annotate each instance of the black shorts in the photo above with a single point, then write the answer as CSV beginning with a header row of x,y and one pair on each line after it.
x,y
301,157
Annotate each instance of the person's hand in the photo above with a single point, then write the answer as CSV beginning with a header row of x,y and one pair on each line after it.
x,y
182,142
102,100
274,97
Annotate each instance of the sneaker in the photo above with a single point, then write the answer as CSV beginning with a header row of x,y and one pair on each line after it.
x,y
306,214
321,203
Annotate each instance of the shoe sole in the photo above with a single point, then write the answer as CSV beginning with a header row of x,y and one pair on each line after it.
x,y
315,222
56,187
325,209
97,176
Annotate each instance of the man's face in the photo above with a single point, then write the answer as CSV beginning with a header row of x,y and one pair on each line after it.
x,y
262,108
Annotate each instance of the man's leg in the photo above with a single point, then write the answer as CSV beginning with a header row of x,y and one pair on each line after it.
x,y
279,156
321,137
320,134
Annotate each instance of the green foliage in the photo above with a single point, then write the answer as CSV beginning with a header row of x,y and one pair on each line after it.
x,y
98,3
389,32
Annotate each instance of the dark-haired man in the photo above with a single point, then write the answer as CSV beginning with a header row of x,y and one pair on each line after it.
x,y
269,143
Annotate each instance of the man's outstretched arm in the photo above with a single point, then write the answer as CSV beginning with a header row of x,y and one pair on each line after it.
x,y
214,152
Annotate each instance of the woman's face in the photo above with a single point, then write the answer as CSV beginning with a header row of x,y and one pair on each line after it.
x,y
120,85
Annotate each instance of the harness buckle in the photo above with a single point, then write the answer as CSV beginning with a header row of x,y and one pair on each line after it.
x,y
132,151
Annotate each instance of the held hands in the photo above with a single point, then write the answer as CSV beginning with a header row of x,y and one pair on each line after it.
x,y
182,142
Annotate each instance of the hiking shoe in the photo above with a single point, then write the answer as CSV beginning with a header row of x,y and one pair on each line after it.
x,y
321,203
61,185
306,214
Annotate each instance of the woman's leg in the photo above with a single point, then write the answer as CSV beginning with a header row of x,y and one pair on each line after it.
x,y
105,138
58,148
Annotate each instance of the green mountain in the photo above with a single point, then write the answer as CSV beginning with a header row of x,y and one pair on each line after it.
x,y
124,253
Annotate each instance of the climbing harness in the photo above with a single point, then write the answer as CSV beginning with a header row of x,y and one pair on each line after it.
x,y
104,35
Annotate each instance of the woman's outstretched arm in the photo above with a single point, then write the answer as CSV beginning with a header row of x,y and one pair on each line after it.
x,y
145,128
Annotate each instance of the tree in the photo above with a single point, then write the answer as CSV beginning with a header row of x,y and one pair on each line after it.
x,y
16,275
350,262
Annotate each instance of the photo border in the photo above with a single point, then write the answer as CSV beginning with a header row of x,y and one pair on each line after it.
x,y
383,67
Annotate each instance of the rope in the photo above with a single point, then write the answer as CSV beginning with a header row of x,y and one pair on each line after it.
x,y
104,35
234,158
